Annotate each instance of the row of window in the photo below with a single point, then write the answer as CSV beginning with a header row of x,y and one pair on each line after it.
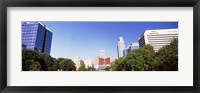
x,y
29,33
28,38
28,43
28,27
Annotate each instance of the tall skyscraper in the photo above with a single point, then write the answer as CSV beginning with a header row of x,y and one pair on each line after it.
x,y
158,38
120,47
36,36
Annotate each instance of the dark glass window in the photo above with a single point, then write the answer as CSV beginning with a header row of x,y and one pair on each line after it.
x,y
36,37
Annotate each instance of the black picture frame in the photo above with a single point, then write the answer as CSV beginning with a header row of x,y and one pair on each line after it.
x,y
99,3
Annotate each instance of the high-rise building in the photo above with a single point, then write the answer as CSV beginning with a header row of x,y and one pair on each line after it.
x,y
158,38
36,36
125,52
130,48
101,62
120,47
133,46
79,62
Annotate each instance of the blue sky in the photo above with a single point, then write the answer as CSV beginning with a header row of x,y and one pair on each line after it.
x,y
86,39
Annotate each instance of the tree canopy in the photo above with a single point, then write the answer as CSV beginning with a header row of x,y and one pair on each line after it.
x,y
37,61
167,57
66,64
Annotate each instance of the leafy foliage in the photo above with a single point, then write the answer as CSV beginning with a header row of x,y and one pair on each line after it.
x,y
66,65
36,61
167,57
30,61
84,68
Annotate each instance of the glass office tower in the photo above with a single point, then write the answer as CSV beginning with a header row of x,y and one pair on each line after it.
x,y
36,36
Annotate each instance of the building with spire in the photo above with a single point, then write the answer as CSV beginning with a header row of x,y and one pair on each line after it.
x,y
120,47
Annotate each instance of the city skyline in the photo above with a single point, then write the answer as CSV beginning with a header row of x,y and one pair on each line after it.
x,y
86,39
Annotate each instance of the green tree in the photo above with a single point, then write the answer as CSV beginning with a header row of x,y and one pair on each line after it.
x,y
58,63
35,66
45,61
54,66
29,62
107,68
82,68
91,68
115,66
31,65
142,58
138,60
66,65
29,54
36,61
167,57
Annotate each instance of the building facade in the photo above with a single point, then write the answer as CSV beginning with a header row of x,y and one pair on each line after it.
x,y
125,52
158,38
101,62
36,36
120,47
130,48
